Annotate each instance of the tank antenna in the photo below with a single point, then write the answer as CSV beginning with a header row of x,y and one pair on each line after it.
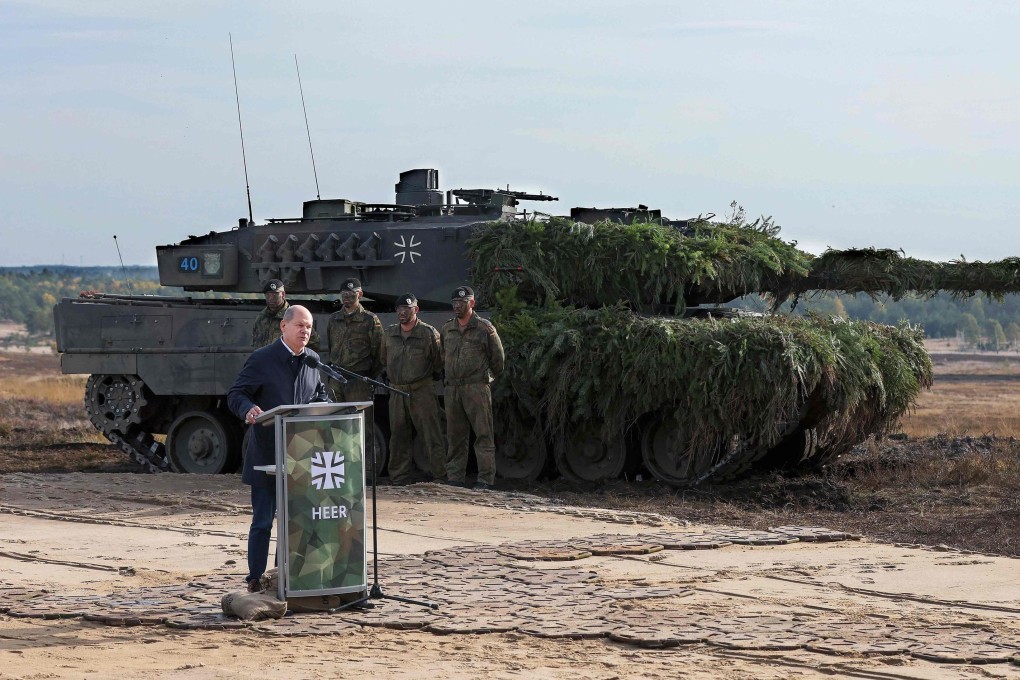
x,y
307,129
237,98
120,257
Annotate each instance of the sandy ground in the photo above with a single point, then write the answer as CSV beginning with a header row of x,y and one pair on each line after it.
x,y
845,608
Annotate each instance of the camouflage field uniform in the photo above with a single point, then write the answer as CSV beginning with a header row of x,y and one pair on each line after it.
x,y
355,343
412,363
266,329
267,326
473,356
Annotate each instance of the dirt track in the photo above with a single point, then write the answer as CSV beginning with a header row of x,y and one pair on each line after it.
x,y
137,564
112,550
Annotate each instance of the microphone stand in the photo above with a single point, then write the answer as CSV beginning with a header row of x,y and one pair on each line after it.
x,y
376,591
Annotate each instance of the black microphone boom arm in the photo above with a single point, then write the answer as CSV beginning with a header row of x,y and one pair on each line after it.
x,y
325,368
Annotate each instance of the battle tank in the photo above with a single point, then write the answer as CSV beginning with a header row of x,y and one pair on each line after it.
x,y
618,354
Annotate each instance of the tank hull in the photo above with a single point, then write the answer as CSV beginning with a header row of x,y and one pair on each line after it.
x,y
157,363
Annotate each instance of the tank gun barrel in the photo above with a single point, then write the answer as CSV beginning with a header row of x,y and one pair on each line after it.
x,y
876,271
668,269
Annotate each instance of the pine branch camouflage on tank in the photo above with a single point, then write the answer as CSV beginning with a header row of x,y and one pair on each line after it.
x,y
748,378
647,264
566,298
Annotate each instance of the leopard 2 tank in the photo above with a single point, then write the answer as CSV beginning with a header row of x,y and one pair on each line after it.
x,y
619,355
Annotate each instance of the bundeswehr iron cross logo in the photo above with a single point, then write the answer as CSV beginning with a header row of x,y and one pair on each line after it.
x,y
327,470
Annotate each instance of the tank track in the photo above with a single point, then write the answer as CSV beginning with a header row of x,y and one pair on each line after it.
x,y
143,449
115,405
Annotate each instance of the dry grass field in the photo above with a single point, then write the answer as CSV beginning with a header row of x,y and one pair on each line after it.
x,y
43,427
952,477
973,394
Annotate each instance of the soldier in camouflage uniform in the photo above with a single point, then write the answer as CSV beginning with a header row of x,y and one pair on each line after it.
x,y
355,343
266,328
413,357
473,356
267,324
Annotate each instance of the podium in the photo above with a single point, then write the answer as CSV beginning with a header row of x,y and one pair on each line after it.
x,y
320,492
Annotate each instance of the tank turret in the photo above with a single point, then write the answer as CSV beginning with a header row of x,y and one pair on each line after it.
x,y
416,243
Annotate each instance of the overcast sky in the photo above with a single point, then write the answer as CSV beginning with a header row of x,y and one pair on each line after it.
x,y
887,124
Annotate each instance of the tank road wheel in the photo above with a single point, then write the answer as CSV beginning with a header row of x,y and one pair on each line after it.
x,y
115,402
522,455
584,457
665,454
202,443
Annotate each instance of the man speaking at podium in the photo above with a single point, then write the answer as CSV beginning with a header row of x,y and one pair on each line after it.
x,y
273,375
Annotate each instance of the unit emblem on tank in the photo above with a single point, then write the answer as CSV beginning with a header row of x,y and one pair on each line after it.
x,y
213,263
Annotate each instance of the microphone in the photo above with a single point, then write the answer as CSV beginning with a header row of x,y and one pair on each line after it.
x,y
312,362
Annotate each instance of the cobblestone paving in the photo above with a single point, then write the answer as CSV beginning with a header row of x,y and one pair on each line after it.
x,y
552,589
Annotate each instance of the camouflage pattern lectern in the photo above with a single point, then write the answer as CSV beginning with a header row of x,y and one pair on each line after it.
x,y
320,449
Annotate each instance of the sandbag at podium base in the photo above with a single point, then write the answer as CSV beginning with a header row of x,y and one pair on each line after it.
x,y
253,606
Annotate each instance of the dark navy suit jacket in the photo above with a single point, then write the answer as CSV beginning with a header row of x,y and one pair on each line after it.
x,y
267,380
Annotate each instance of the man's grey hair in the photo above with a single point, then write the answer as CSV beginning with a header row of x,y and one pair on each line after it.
x,y
288,315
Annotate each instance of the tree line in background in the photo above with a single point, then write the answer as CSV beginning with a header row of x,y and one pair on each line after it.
x,y
27,296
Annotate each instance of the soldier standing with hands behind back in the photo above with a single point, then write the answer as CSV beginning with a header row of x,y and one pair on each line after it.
x,y
413,357
355,343
473,356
